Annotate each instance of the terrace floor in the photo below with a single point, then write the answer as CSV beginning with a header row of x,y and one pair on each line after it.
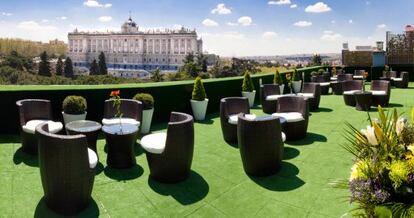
x,y
218,186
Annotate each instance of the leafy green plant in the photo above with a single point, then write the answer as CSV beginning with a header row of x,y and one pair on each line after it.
x,y
74,105
199,93
146,99
247,85
277,79
321,71
296,76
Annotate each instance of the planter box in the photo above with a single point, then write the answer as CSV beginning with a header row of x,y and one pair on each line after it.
x,y
199,109
146,120
251,96
67,118
297,86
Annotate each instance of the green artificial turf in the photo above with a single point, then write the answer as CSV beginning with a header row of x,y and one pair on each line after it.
x,y
217,186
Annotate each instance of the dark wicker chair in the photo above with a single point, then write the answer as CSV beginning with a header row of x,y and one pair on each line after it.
x,y
33,110
312,91
324,82
359,74
349,88
261,145
403,81
230,107
345,77
131,112
269,91
170,154
381,92
294,129
67,170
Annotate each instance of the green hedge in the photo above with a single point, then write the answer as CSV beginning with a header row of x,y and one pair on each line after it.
x,y
169,96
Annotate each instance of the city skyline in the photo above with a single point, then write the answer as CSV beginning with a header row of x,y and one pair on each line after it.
x,y
228,28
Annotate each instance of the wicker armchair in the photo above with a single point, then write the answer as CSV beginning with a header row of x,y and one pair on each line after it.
x,y
359,74
312,91
323,81
295,110
67,170
260,145
381,92
170,154
131,112
33,112
269,95
349,88
345,77
403,81
232,107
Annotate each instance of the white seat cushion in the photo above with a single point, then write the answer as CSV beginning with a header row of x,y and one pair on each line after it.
x,y
351,92
397,79
358,77
93,158
379,93
283,137
306,95
334,78
290,117
30,127
325,84
273,97
154,143
233,119
115,121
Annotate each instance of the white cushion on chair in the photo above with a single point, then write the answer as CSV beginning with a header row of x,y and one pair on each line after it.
x,y
233,119
358,77
290,117
351,92
325,84
30,127
93,158
334,78
378,93
115,121
307,95
397,79
283,137
154,143
273,97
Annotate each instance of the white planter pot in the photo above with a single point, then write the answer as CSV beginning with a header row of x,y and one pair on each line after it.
x,y
146,120
297,86
67,118
282,88
199,109
250,96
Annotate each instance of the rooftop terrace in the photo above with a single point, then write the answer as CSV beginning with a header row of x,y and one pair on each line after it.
x,y
218,186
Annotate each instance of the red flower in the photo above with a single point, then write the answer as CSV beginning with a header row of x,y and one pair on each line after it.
x,y
115,93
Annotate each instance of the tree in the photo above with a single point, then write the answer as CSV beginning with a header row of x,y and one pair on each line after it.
x,y
190,69
103,69
316,60
44,65
202,62
189,58
94,69
17,61
59,67
68,68
157,77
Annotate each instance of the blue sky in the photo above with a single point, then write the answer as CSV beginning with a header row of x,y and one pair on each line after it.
x,y
228,28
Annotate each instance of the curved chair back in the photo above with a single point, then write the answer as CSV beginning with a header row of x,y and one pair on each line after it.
x,y
180,135
129,108
359,72
34,109
381,85
352,85
67,178
315,89
326,76
260,145
298,104
393,74
406,79
345,77
234,105
270,89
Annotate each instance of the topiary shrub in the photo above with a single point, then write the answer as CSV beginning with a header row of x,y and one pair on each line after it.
x,y
146,99
247,83
74,105
277,79
321,71
296,76
199,93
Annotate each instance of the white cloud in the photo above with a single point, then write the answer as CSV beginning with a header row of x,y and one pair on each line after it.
x,y
319,7
294,6
105,18
45,20
333,21
303,23
210,23
177,26
245,21
221,9
232,24
330,36
269,35
96,4
280,2
350,21
7,14
33,25
381,26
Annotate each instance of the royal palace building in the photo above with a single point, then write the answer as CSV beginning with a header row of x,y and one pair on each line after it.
x,y
133,52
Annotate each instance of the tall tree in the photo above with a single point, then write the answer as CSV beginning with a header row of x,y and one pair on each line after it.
x,y
68,67
94,69
103,69
59,67
202,62
44,65
189,58
316,60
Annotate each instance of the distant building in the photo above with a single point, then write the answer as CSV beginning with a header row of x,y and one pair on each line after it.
x,y
364,56
132,52
400,47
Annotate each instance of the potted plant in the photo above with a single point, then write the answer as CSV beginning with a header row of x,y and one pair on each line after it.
x,y
296,82
147,112
277,80
248,89
74,108
334,71
199,100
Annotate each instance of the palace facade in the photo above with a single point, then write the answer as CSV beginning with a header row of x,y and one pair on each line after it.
x,y
133,52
